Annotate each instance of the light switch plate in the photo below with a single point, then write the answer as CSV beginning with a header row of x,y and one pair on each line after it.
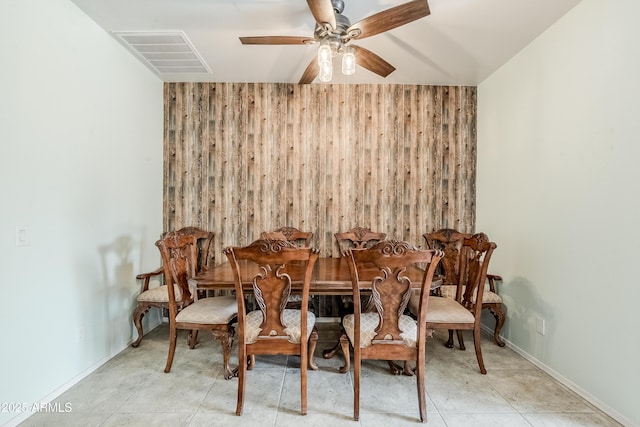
x,y
22,235
541,327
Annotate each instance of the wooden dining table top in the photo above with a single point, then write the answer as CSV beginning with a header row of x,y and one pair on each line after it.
x,y
330,276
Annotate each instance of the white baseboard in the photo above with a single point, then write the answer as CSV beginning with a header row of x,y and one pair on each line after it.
x,y
566,382
328,320
73,381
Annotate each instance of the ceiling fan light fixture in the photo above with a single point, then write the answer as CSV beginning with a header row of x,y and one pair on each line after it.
x,y
326,72
324,53
348,61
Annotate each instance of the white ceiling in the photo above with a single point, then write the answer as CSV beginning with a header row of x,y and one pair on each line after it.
x,y
461,43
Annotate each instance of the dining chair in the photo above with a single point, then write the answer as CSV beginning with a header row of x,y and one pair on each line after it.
x,y
273,328
355,238
214,314
154,293
386,333
300,238
292,234
449,241
461,313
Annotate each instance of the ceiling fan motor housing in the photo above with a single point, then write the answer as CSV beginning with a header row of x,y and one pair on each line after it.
x,y
342,25
338,5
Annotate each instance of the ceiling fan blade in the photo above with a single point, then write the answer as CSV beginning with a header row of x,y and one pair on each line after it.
x,y
372,62
276,40
310,73
391,18
323,12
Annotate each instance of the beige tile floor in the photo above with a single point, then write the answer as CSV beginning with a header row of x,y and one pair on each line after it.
x,y
132,390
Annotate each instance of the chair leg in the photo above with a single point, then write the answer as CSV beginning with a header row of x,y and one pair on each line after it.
x,y
226,340
356,384
330,352
192,339
461,340
312,306
395,368
344,344
138,314
449,343
242,373
173,337
405,369
422,399
303,379
498,314
476,344
313,341
408,369
343,310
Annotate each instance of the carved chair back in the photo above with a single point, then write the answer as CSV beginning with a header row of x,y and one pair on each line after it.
x,y
357,238
449,241
179,260
475,255
291,234
204,240
390,289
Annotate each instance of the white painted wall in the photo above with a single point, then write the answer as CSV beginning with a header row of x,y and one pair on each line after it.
x,y
558,190
81,167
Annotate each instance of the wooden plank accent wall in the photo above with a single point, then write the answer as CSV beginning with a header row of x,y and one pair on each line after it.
x,y
241,158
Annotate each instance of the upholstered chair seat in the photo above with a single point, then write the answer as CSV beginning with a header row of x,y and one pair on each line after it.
x,y
291,320
370,321
209,311
159,294
443,310
488,297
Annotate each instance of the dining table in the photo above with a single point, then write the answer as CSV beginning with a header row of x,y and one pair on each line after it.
x,y
330,276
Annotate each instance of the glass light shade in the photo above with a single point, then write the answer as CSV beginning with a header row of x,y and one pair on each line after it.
x,y
326,72
324,53
348,61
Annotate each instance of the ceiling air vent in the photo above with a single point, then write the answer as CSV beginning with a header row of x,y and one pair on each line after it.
x,y
164,52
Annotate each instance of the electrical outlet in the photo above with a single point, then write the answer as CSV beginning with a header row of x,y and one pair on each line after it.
x,y
540,326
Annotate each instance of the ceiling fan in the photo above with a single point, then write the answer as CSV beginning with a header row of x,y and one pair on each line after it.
x,y
334,32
